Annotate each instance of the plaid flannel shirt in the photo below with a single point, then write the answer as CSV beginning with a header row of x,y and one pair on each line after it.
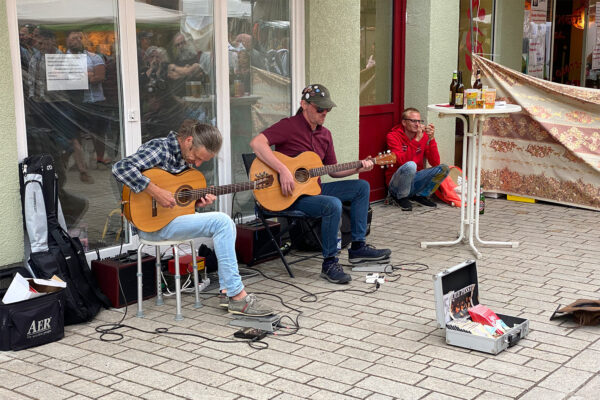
x,y
163,153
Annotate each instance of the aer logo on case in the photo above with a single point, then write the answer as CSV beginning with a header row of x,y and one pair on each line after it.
x,y
40,327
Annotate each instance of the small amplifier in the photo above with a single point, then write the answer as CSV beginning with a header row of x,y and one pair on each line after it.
x,y
109,271
186,265
253,244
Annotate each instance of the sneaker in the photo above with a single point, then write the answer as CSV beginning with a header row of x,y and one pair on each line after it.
x,y
425,201
334,273
368,253
223,300
404,203
248,306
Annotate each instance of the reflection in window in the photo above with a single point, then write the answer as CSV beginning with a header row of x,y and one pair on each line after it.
x,y
74,116
259,78
176,69
376,30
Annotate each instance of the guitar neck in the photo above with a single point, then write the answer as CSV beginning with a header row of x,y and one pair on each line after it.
x,y
225,189
326,169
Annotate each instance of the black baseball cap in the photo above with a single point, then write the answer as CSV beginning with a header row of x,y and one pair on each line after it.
x,y
318,95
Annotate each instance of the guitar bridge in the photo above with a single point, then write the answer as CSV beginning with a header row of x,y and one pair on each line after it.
x,y
154,208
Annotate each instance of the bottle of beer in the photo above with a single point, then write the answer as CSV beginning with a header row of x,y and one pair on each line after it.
x,y
459,100
453,88
477,84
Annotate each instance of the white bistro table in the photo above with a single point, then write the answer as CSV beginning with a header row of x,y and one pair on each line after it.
x,y
471,164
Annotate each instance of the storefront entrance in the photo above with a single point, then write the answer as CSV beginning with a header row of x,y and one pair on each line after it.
x,y
381,80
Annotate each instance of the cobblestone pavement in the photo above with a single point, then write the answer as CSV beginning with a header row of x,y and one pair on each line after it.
x,y
378,345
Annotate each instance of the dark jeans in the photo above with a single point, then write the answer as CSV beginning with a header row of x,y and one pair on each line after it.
x,y
328,206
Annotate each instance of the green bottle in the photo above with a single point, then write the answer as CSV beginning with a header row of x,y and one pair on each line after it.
x,y
481,201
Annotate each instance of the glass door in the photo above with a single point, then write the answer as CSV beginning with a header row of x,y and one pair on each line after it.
x,y
260,82
73,100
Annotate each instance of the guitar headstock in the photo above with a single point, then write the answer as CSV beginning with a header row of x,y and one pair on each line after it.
x,y
385,159
263,180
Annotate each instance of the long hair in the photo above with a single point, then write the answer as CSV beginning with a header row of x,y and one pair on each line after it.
x,y
204,135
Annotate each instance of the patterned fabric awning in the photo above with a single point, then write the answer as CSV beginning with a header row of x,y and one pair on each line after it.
x,y
551,150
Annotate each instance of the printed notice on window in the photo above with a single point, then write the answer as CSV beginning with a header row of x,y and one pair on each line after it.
x,y
66,71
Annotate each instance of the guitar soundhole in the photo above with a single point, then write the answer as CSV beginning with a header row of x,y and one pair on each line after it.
x,y
183,195
302,175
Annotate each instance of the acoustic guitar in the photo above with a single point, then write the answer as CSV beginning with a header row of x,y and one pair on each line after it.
x,y
143,211
306,169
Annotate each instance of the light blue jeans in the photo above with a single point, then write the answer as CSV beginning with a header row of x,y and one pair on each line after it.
x,y
215,225
407,181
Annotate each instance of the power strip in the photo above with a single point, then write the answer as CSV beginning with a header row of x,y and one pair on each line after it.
x,y
375,278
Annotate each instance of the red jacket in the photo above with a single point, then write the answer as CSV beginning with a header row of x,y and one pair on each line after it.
x,y
410,150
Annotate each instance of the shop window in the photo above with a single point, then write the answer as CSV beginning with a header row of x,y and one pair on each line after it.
x,y
259,78
376,37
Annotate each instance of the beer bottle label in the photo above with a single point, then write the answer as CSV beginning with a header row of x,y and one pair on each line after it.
x,y
459,99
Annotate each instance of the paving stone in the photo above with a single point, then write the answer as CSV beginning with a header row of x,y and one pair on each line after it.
x,y
131,388
588,360
195,390
517,371
541,393
152,378
87,388
391,388
100,363
250,389
435,384
116,396
11,380
43,390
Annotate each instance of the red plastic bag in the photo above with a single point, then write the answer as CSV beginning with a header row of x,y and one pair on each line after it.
x,y
447,190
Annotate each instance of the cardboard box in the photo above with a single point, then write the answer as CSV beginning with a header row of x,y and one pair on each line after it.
x,y
28,288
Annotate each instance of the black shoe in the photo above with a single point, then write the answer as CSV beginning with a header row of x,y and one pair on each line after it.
x,y
367,253
404,204
425,201
334,273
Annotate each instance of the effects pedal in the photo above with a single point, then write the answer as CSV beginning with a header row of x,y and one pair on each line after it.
x,y
374,278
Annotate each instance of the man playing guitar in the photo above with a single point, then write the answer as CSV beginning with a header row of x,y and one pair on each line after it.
x,y
194,144
305,132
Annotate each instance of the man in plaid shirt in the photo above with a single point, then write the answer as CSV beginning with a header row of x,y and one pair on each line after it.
x,y
194,144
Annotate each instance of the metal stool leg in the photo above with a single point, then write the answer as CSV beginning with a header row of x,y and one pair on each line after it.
x,y
197,304
178,316
159,296
140,312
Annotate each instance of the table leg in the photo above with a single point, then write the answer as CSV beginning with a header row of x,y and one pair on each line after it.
x,y
461,232
479,139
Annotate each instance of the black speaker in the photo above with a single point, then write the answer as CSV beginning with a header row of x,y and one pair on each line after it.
x,y
253,244
124,267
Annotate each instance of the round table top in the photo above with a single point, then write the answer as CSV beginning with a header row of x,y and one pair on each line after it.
x,y
508,108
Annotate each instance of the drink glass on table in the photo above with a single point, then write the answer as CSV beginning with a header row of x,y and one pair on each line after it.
x,y
490,98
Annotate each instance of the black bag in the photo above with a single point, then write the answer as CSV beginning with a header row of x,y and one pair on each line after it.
x,y
53,251
66,259
303,239
32,322
210,258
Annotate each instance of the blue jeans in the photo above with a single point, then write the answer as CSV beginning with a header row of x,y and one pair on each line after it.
x,y
328,206
215,225
407,181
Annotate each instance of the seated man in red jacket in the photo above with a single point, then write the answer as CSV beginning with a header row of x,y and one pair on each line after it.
x,y
413,143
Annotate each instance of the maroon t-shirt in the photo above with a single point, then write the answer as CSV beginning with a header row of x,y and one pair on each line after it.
x,y
292,136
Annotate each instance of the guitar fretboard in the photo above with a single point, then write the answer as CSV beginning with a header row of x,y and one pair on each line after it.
x,y
326,169
197,194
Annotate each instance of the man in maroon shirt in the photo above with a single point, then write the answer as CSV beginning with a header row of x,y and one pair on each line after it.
x,y
413,143
305,132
